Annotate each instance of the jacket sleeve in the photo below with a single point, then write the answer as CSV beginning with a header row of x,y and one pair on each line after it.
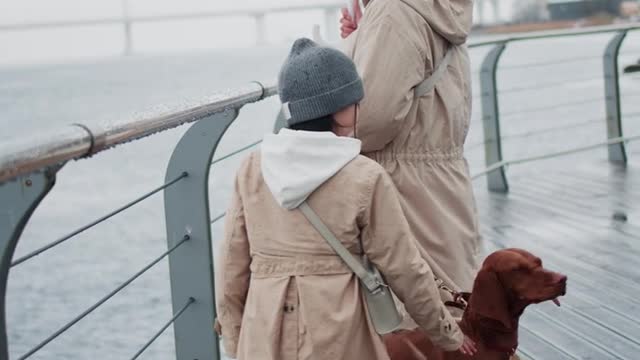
x,y
391,65
233,274
388,243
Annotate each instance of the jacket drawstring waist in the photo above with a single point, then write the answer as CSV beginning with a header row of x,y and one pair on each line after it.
x,y
431,156
266,267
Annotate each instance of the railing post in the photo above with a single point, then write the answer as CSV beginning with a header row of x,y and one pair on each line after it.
x,y
331,23
128,44
617,152
261,29
128,41
18,199
496,179
187,213
281,122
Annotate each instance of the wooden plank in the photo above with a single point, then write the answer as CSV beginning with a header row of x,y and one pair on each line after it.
x,y
595,332
623,236
594,248
577,238
601,201
564,214
537,347
519,237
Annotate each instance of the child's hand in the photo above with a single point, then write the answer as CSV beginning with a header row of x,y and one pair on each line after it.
x,y
468,347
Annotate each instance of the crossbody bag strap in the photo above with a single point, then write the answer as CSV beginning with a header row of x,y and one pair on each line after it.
x,y
429,83
368,279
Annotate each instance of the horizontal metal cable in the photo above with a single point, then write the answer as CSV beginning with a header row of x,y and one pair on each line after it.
x,y
215,219
102,301
552,62
236,152
579,124
558,154
547,85
541,131
550,107
154,337
96,222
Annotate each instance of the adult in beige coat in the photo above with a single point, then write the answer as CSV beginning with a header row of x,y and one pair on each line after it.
x,y
419,140
282,292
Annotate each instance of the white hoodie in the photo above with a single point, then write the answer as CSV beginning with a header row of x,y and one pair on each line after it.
x,y
295,163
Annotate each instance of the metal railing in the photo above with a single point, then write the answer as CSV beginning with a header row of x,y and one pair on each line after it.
x,y
28,171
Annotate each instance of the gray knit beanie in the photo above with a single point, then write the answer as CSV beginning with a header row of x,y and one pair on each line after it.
x,y
317,81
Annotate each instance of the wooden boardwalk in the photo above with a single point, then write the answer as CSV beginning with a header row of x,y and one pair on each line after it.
x,y
566,216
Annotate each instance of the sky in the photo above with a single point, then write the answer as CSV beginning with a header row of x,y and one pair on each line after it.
x,y
61,44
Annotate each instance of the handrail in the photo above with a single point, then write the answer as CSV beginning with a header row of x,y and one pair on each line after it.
x,y
75,142
549,34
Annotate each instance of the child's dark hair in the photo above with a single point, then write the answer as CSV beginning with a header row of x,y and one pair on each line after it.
x,y
324,123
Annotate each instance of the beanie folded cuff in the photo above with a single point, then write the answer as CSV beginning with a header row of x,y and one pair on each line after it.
x,y
326,103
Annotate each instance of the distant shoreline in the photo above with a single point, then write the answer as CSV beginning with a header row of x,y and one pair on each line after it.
x,y
547,25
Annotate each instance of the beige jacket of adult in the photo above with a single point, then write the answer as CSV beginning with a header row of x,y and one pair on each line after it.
x,y
419,141
282,292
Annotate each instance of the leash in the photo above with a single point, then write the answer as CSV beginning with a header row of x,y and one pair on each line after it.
x,y
461,301
459,298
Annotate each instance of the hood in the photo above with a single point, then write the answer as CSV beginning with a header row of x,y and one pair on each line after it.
x,y
295,163
450,18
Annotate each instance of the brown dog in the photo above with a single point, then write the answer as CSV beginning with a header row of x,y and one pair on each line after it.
x,y
509,281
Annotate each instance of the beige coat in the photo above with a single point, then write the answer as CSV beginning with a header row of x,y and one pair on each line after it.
x,y
420,141
282,293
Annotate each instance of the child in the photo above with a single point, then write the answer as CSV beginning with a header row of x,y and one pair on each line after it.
x,y
284,292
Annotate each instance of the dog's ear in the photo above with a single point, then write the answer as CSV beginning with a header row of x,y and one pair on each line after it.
x,y
489,299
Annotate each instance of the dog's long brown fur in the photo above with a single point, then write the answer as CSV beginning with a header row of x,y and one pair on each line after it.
x,y
509,281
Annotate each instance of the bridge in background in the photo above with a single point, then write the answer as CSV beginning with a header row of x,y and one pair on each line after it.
x,y
330,10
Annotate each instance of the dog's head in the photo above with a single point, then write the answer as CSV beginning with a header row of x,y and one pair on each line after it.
x,y
508,282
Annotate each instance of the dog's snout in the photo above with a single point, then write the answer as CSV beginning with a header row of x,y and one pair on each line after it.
x,y
561,280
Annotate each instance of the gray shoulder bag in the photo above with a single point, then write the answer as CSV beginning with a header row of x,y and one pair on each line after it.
x,y
429,83
382,309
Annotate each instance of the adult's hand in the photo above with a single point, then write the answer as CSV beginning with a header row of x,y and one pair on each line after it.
x,y
349,24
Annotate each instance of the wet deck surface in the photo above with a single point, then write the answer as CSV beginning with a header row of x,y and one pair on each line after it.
x,y
566,216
